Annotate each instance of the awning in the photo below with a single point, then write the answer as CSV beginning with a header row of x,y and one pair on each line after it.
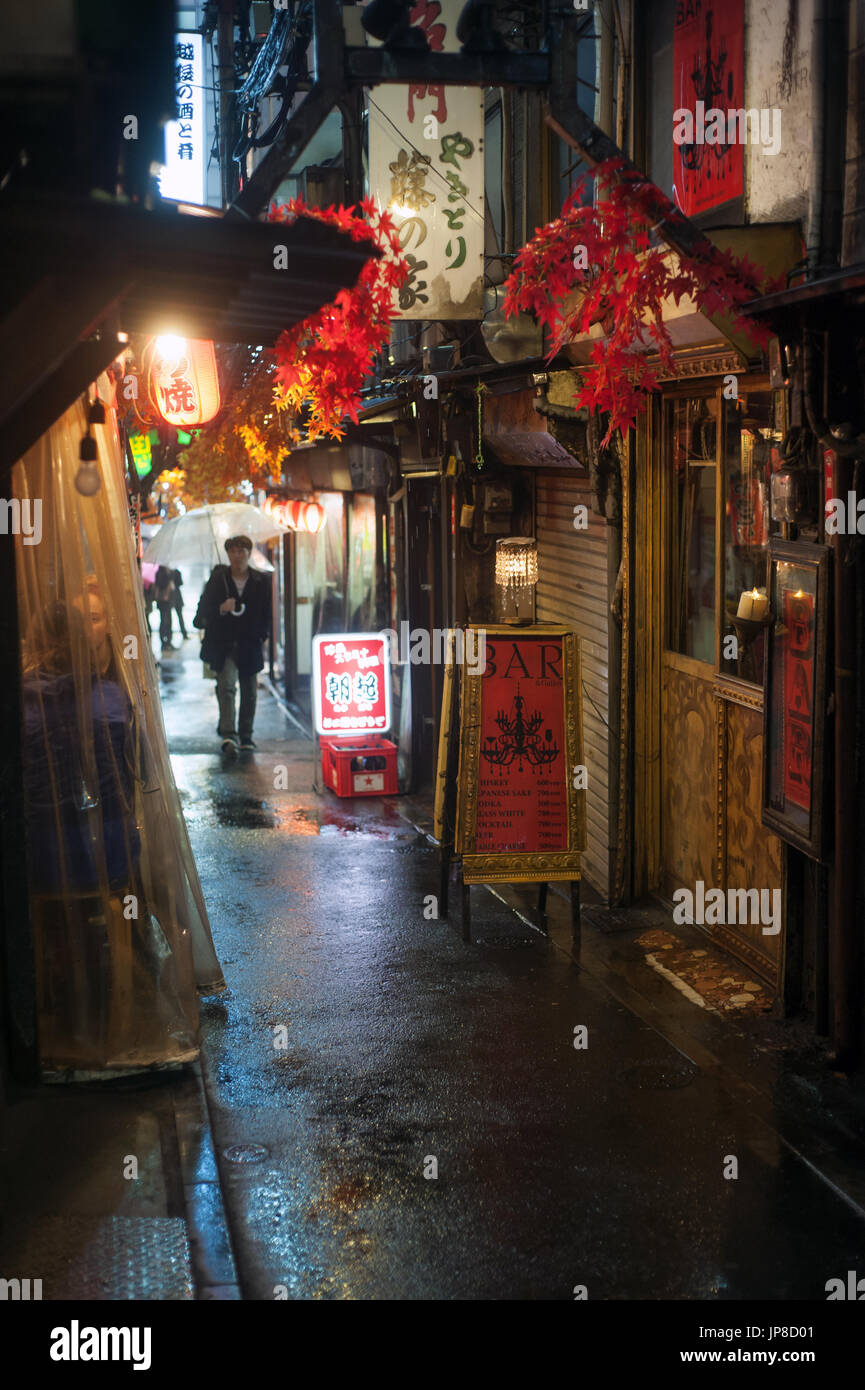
x,y
76,272
849,281
529,449
703,345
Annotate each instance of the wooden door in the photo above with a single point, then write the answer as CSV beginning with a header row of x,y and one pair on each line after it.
x,y
690,491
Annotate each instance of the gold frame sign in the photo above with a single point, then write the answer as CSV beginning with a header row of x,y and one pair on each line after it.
x,y
519,816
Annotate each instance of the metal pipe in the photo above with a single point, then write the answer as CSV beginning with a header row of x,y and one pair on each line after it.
x,y
604,54
507,170
844,982
814,241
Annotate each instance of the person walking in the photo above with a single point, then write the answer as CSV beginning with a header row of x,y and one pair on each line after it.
x,y
177,602
164,595
235,613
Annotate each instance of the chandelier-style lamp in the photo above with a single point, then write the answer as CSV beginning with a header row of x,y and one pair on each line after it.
x,y
516,577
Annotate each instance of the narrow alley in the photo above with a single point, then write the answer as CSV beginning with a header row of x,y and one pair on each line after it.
x,y
361,1041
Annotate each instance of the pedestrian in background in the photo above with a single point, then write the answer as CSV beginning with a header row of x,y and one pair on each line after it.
x,y
163,593
177,602
235,611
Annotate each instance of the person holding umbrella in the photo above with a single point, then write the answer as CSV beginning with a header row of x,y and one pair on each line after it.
x,y
235,613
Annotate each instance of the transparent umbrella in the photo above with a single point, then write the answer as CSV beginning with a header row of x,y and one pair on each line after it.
x,y
198,537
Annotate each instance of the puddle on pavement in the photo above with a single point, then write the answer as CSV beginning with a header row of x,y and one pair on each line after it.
x,y
243,812
334,824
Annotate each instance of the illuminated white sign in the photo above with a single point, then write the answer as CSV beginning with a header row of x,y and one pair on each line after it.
x,y
182,177
426,166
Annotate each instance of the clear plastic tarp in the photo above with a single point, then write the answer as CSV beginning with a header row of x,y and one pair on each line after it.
x,y
121,935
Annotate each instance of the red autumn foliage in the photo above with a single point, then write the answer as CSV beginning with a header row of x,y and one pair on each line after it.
x,y
626,278
323,361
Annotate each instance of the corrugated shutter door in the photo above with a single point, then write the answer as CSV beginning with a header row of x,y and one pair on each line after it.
x,y
572,589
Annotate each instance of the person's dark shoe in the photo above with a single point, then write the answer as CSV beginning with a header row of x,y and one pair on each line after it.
x,y
229,745
247,745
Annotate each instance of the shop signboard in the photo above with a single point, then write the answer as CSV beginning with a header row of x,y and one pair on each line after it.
x,y
182,176
794,695
521,777
426,168
708,76
351,684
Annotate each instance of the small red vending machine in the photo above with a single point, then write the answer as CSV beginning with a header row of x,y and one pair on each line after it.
x,y
351,698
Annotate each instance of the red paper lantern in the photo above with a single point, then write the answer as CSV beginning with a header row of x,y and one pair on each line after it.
x,y
294,514
183,381
314,518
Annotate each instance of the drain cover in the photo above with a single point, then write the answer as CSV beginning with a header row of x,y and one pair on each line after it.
x,y
659,1076
246,1153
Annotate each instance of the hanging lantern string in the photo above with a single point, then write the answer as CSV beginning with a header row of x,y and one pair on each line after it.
x,y
479,456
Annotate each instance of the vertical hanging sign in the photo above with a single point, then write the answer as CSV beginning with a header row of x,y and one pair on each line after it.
x,y
708,79
426,167
182,176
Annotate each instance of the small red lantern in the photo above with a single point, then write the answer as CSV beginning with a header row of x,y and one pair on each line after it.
x,y
183,380
314,518
294,514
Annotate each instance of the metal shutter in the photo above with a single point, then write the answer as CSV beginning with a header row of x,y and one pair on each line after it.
x,y
573,589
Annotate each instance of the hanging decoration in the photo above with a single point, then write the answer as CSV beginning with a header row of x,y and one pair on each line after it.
x,y
296,515
183,381
600,262
323,361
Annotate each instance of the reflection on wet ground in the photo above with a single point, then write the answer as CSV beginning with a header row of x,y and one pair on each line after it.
x,y
425,1125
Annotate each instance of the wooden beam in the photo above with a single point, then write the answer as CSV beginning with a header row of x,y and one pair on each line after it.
x,y
24,426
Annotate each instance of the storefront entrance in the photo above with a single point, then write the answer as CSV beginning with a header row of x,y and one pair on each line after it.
x,y
701,533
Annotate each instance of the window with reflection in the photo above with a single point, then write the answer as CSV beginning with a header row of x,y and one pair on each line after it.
x,y
692,431
752,443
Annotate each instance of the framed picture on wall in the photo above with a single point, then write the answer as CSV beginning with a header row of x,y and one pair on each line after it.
x,y
794,703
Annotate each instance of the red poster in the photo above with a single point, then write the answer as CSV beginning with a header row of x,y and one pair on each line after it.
x,y
522,773
798,608
708,75
351,683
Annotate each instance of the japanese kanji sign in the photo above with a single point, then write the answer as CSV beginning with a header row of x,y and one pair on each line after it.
x,y
351,683
183,174
426,167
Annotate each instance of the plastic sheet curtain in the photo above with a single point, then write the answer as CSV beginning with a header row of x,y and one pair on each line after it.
x,y
121,935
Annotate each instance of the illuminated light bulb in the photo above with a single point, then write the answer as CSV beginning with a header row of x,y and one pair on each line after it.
x,y
87,479
170,348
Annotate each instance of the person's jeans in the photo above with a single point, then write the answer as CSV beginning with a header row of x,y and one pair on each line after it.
x,y
226,693
164,623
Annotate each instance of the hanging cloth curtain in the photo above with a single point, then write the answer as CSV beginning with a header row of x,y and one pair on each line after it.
x,y
122,939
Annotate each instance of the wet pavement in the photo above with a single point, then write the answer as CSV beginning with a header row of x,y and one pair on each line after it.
x,y
397,1114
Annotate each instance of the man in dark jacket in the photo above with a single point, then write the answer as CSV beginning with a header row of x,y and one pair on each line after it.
x,y
235,612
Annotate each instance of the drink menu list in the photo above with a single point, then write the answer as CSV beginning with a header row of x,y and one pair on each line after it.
x,y
522,768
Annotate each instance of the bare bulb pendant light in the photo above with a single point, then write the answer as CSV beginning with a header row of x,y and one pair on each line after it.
x,y
87,479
